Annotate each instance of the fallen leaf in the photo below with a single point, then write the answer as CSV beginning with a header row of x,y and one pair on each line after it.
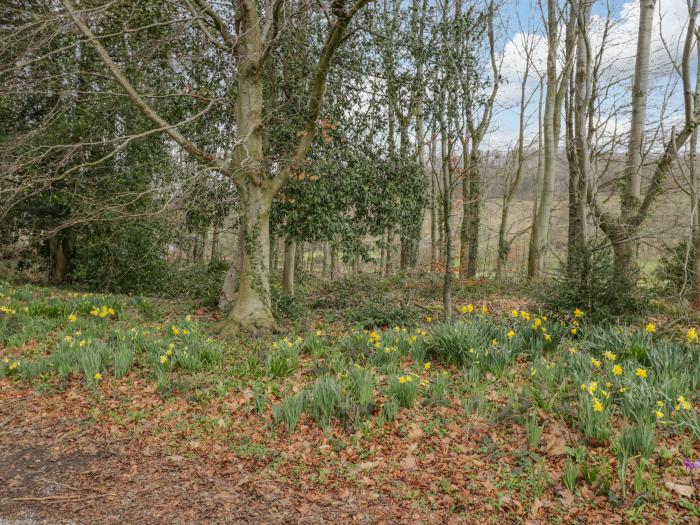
x,y
567,498
408,463
368,465
556,446
683,490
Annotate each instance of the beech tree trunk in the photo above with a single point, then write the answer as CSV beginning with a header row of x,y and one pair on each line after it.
x,y
252,309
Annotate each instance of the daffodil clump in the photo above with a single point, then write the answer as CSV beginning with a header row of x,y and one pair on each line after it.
x,y
404,389
103,312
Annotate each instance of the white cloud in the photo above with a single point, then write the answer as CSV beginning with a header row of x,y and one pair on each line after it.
x,y
619,52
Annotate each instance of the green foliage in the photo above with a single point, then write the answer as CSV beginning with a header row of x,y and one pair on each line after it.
x,y
593,284
388,413
404,390
325,398
636,440
570,474
595,424
289,410
91,364
450,343
534,431
380,314
282,362
123,257
439,389
361,384
674,270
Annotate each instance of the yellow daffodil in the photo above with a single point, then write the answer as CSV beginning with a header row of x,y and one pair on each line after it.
x,y
510,334
163,359
640,372
573,331
426,366
72,318
175,330
572,350
578,313
617,370
692,335
609,355
98,376
514,313
659,414
597,405
650,328
595,362
484,309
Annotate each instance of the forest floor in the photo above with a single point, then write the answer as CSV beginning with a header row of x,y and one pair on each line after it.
x,y
195,430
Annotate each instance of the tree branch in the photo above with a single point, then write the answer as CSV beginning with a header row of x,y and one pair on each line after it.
x,y
318,89
207,158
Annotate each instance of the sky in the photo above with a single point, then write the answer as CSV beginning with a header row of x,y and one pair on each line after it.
x,y
520,24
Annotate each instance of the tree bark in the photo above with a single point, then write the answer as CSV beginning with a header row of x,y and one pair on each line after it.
x,y
231,281
290,248
335,263
252,309
326,259
475,210
61,252
214,243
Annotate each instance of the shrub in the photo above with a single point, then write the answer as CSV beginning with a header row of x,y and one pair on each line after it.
x,y
593,285
674,270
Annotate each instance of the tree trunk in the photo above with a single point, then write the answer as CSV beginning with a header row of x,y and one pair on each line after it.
x,y
475,210
61,252
252,310
214,243
390,249
466,210
335,263
290,248
631,198
574,230
503,247
434,224
326,259
232,279
540,226
446,206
